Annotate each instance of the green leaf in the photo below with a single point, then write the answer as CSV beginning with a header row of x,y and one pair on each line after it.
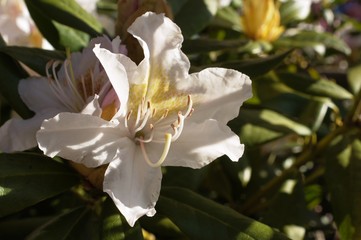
x,y
201,218
194,15
162,227
273,121
228,17
115,227
34,58
254,135
199,45
11,73
320,87
71,38
288,208
256,67
69,13
77,223
26,179
57,24
354,78
343,178
313,39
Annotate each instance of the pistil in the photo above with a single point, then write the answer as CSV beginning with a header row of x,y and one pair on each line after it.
x,y
139,129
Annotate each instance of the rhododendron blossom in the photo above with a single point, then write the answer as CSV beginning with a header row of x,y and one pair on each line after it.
x,y
166,117
68,87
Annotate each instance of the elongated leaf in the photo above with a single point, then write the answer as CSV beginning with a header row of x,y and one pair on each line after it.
x,y
206,45
270,120
11,73
57,33
200,218
228,17
68,12
74,224
288,208
321,87
256,67
312,39
343,177
26,179
115,227
44,24
354,78
194,15
34,58
253,135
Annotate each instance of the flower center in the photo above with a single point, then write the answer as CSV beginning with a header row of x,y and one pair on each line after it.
x,y
145,128
73,91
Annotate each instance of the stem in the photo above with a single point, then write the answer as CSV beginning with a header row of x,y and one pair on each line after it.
x,y
249,206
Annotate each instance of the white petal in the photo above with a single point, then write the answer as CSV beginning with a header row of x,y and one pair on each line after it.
x,y
133,185
200,144
219,93
82,138
92,107
116,73
161,40
18,134
37,95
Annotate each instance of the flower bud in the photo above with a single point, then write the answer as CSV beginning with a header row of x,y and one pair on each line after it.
x,y
261,20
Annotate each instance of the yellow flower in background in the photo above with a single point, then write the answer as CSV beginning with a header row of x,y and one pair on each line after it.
x,y
261,20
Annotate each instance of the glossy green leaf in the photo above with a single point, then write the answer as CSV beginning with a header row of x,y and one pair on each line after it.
x,y
320,87
288,208
162,227
55,21
313,39
273,121
354,78
199,45
11,73
44,24
71,38
77,223
256,67
254,135
34,58
194,15
26,179
313,195
67,12
115,227
201,218
343,178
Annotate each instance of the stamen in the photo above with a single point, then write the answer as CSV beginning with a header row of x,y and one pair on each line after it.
x,y
138,116
70,80
168,140
145,120
179,127
190,105
126,119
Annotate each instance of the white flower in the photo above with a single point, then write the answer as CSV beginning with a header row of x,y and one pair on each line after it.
x,y
81,80
17,27
166,118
